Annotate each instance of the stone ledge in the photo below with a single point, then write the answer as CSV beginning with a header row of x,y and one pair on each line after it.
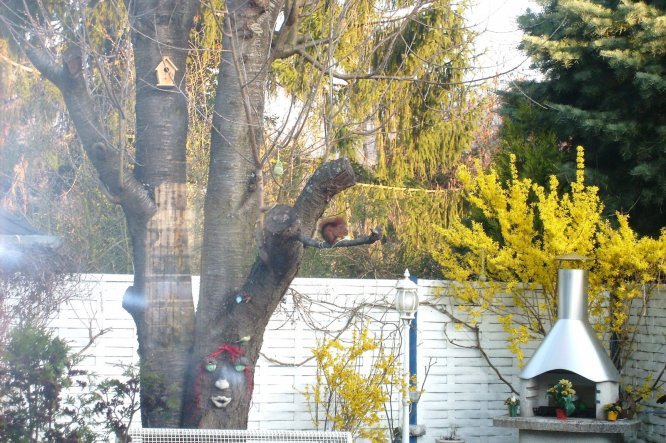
x,y
586,425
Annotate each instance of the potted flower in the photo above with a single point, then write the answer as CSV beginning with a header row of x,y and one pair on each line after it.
x,y
612,410
512,402
629,398
563,396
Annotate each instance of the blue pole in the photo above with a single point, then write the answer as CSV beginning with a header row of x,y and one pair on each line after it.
x,y
412,364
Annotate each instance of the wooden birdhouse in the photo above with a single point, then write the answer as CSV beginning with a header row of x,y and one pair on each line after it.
x,y
166,72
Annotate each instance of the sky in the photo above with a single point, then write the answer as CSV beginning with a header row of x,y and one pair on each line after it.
x,y
499,35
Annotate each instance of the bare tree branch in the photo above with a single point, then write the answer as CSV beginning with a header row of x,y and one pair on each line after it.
x,y
43,61
286,51
68,77
288,34
374,236
477,337
91,339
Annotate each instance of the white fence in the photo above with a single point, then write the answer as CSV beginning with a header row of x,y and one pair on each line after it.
x,y
649,359
461,389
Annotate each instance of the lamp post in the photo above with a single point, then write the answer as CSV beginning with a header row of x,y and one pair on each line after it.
x,y
406,303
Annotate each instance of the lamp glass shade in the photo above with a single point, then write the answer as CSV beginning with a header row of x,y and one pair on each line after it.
x,y
406,298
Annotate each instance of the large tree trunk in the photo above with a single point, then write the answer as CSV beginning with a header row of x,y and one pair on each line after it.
x,y
232,214
244,312
161,299
152,194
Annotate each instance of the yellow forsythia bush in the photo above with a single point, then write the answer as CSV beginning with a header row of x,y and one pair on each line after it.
x,y
353,386
513,252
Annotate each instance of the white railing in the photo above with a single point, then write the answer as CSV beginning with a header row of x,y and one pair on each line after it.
x,y
159,435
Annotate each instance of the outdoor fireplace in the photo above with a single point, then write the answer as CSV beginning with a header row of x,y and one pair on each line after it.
x,y
570,350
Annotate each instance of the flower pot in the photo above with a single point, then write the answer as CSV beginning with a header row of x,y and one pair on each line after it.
x,y
612,415
561,414
513,410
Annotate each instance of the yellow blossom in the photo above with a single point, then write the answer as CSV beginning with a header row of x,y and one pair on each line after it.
x,y
349,395
506,264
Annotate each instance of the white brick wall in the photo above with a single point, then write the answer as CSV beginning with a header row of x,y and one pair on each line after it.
x,y
461,389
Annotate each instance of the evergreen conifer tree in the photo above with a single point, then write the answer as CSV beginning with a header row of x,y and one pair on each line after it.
x,y
604,77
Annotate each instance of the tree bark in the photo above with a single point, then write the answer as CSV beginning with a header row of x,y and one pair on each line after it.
x,y
152,194
232,215
161,299
245,311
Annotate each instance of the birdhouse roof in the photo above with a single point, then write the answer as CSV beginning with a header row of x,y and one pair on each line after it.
x,y
166,61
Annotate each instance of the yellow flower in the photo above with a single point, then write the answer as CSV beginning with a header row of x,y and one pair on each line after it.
x,y
352,392
512,255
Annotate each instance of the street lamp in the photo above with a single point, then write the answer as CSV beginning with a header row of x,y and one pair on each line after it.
x,y
406,303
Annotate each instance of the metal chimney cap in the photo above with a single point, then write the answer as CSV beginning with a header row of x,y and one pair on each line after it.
x,y
572,344
571,257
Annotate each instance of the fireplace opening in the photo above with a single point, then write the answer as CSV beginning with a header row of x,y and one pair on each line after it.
x,y
543,406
